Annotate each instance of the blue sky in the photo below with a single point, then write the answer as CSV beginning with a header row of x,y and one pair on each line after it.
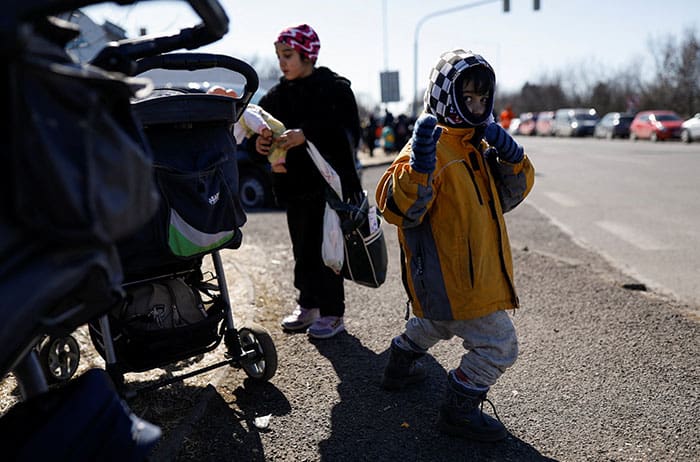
x,y
592,37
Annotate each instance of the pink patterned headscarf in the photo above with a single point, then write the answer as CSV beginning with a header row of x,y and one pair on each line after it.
x,y
303,39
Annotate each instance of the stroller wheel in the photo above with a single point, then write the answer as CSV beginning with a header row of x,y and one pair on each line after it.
x,y
59,357
262,364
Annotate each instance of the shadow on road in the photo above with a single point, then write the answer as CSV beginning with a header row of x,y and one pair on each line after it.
x,y
203,425
370,423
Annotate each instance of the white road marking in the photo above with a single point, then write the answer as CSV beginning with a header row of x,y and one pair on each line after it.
x,y
632,236
562,199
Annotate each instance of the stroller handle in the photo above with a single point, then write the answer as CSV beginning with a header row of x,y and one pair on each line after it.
x,y
198,61
214,26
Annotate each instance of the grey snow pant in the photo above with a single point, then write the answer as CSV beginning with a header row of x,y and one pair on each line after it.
x,y
491,343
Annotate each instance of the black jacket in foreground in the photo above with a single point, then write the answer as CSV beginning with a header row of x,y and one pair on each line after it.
x,y
324,107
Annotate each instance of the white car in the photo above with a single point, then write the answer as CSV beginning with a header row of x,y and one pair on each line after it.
x,y
690,129
514,126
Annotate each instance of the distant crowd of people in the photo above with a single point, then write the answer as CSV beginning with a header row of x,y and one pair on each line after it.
x,y
388,132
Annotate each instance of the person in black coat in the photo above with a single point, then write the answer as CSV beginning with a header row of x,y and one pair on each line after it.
x,y
317,105
370,134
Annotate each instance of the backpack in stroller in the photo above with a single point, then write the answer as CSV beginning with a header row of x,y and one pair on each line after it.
x,y
173,310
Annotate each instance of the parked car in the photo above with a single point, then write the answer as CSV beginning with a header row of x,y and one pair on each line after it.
x,y
514,127
545,123
527,123
614,125
690,129
575,121
656,125
254,178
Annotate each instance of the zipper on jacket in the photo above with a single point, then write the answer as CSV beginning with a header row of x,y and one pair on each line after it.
x,y
471,263
476,186
404,281
420,270
475,161
492,206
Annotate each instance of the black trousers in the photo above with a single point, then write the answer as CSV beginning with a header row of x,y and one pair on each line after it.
x,y
318,285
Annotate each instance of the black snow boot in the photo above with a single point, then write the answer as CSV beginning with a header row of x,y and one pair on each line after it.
x,y
402,368
462,414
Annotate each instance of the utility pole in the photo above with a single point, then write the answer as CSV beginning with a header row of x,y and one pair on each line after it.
x,y
419,24
389,81
384,31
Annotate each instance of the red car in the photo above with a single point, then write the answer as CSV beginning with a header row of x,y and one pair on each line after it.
x,y
527,123
545,123
656,125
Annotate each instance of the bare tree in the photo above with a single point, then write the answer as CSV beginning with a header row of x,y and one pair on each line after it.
x,y
627,84
267,69
676,81
673,83
688,75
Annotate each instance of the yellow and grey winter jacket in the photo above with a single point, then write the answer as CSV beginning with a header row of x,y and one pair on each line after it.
x,y
456,257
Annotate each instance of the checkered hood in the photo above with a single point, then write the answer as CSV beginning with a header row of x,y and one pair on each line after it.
x,y
443,98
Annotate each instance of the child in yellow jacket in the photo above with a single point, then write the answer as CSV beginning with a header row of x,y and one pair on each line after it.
x,y
446,192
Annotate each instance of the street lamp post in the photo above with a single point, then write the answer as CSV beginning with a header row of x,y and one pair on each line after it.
x,y
415,41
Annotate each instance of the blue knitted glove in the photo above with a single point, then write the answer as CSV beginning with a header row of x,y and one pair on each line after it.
x,y
508,149
425,137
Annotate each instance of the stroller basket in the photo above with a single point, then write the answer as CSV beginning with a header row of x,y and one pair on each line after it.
x,y
140,347
174,317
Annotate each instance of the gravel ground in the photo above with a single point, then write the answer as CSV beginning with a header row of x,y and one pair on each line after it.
x,y
604,374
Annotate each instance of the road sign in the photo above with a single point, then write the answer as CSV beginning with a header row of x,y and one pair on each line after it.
x,y
390,86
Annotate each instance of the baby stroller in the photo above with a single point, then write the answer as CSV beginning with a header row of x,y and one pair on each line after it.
x,y
174,310
77,179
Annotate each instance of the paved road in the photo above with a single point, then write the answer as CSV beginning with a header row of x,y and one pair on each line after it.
x,y
636,203
604,374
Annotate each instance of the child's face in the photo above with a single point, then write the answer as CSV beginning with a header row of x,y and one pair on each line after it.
x,y
475,102
290,62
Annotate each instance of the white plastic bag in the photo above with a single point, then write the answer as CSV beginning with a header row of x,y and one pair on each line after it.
x,y
333,246
332,249
327,172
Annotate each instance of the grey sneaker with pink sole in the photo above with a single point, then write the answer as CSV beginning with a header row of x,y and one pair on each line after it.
x,y
326,327
300,319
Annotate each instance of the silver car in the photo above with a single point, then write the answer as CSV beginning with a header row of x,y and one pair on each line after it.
x,y
575,121
690,129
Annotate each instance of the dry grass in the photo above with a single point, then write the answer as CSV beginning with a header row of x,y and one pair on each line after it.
x,y
248,298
